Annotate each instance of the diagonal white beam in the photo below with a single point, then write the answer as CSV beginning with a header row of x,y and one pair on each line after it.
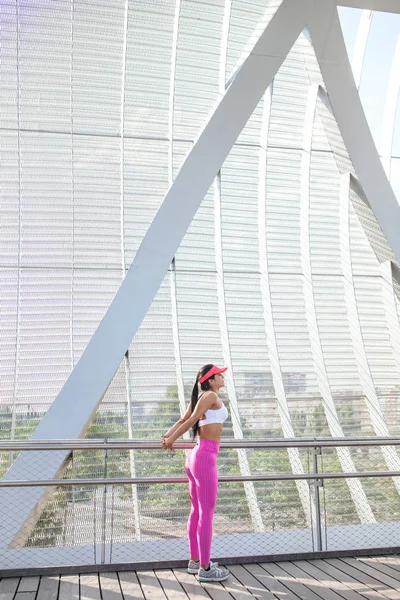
x,y
392,6
372,229
78,400
330,50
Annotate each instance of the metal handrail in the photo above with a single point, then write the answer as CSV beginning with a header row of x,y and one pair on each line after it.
x,y
4,483
144,444
118,444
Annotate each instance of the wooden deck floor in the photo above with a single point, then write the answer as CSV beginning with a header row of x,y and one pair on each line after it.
x,y
376,578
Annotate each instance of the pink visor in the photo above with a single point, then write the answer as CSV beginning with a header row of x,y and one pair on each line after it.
x,y
211,372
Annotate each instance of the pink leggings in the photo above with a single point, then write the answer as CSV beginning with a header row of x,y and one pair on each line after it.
x,y
201,469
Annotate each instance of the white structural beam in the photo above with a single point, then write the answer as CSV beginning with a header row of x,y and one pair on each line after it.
x,y
268,315
389,115
392,318
372,229
172,279
358,496
360,45
250,491
77,402
357,493
327,38
18,315
134,489
364,372
255,36
392,6
366,216
330,50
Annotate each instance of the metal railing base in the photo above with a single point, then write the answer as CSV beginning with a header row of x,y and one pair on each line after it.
x,y
181,564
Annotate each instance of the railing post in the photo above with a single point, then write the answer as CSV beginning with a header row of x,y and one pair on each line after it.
x,y
318,483
104,515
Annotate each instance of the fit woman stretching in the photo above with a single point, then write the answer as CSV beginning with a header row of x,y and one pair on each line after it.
x,y
206,414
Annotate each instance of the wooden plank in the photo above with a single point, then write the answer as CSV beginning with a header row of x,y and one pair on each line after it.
x,y
89,587
8,587
392,561
48,588
150,585
250,582
381,564
69,587
170,585
192,587
28,584
326,579
351,582
369,581
216,590
312,582
130,586
289,582
109,586
270,585
25,596
236,589
376,574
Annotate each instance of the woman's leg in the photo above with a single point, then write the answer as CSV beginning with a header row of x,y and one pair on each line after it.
x,y
193,517
207,489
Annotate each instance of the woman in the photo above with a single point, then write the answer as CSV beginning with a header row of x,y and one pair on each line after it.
x,y
206,414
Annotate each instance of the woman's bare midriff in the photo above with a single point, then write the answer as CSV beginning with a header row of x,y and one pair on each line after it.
x,y
212,431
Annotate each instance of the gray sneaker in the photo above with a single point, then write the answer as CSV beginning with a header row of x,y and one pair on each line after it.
x,y
193,567
214,573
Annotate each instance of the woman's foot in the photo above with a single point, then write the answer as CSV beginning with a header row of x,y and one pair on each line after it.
x,y
193,566
214,573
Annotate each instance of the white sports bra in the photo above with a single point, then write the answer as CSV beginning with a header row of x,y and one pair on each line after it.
x,y
215,415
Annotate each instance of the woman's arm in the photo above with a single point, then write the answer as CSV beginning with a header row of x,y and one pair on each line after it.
x,y
206,401
181,429
180,421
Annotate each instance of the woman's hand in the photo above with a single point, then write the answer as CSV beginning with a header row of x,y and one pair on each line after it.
x,y
167,443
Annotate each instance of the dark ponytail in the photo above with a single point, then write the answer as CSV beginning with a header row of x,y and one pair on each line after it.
x,y
195,392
